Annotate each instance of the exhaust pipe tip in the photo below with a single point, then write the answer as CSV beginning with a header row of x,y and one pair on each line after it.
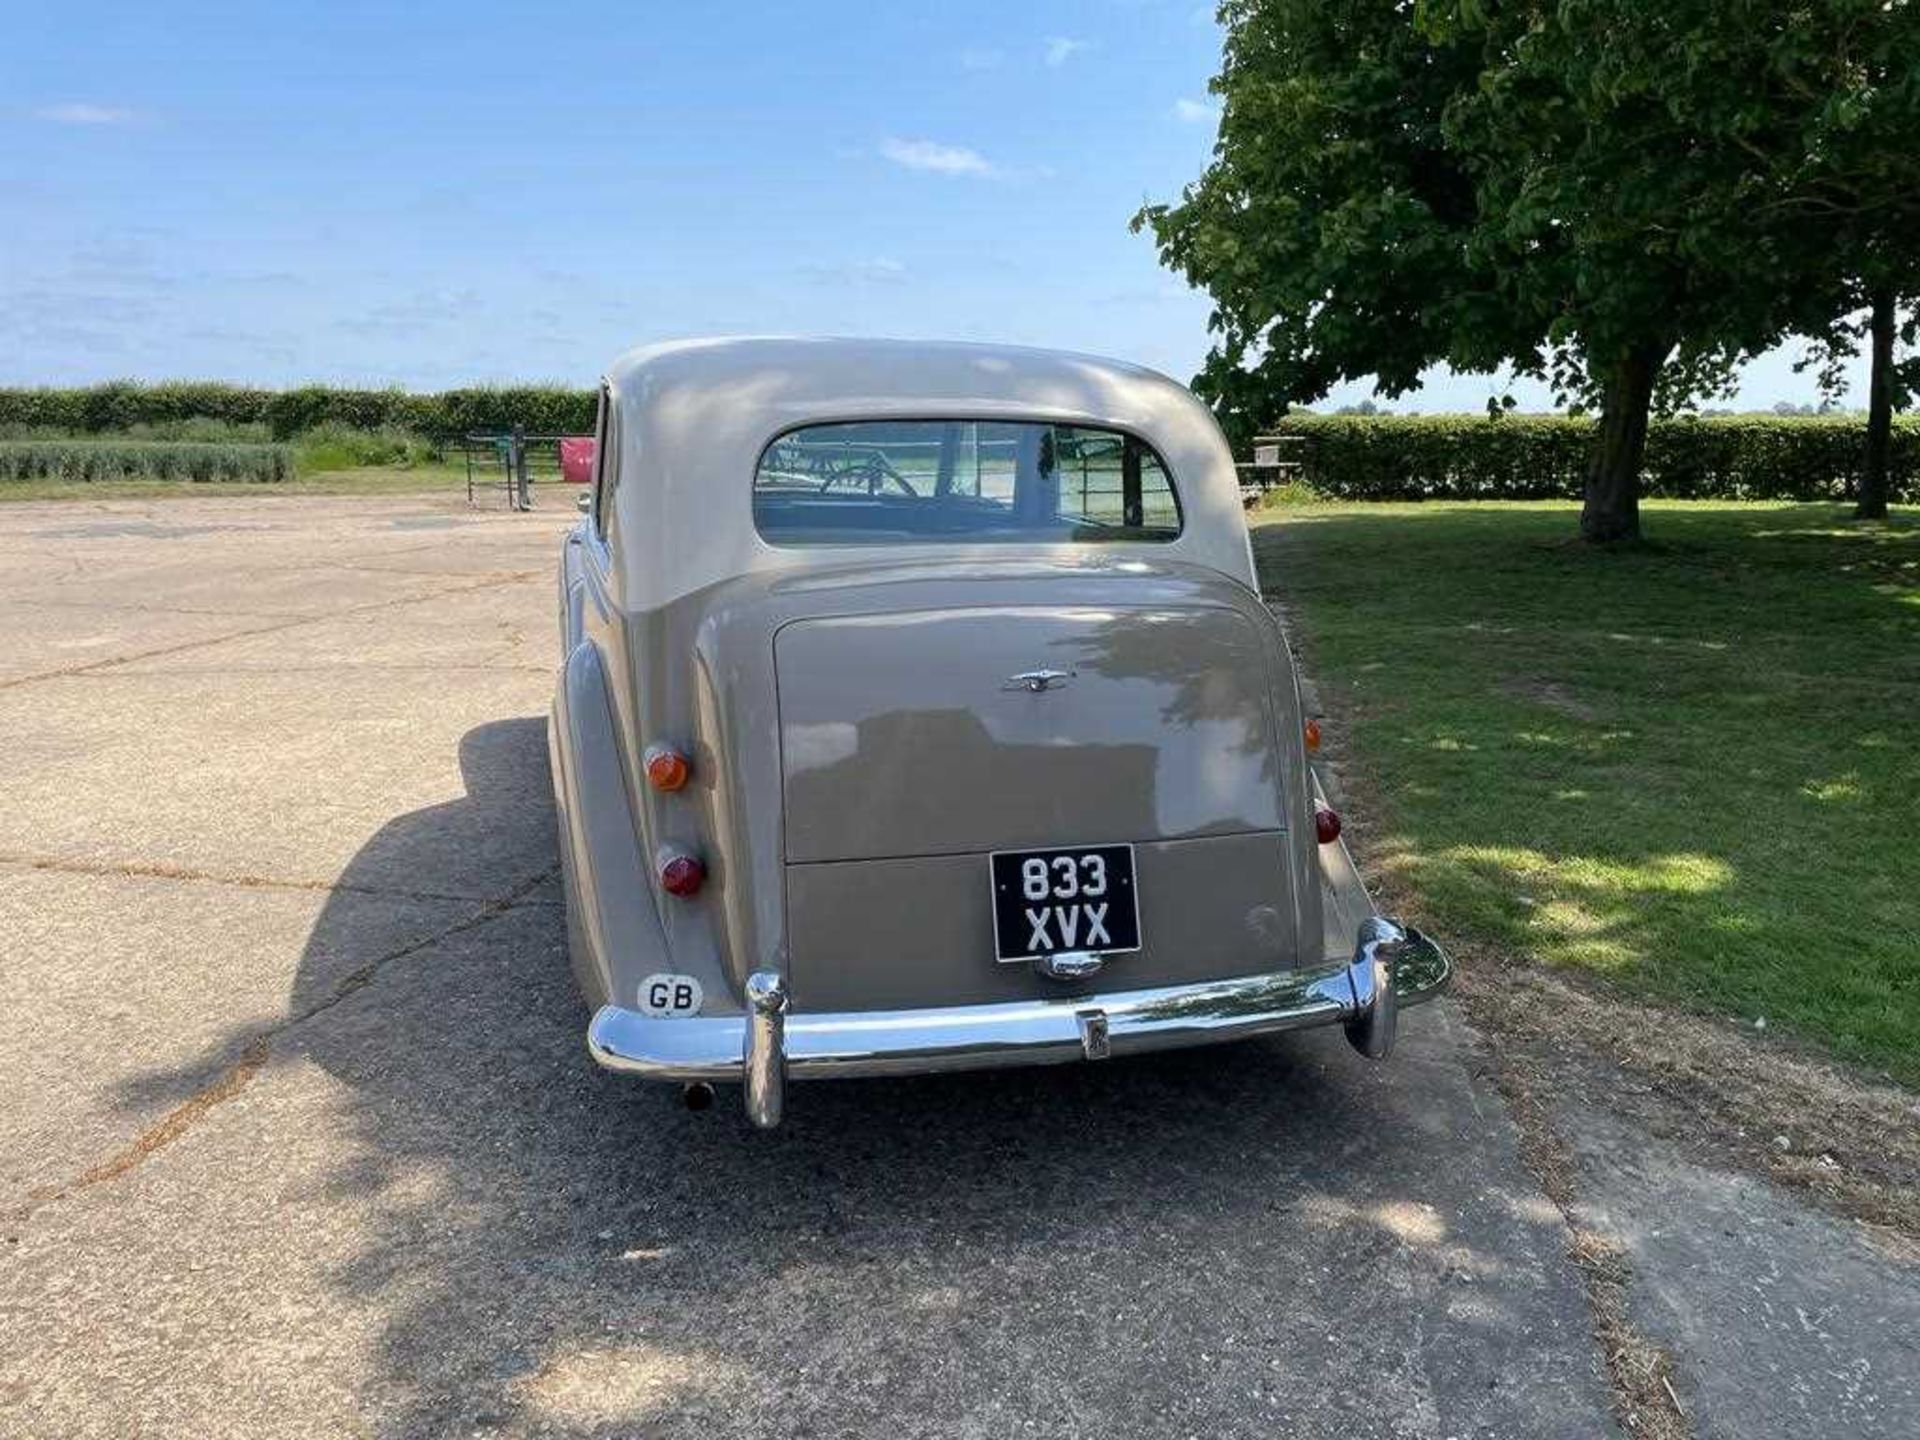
x,y
697,1096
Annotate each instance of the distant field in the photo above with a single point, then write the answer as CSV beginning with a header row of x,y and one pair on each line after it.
x,y
1689,770
361,480
328,459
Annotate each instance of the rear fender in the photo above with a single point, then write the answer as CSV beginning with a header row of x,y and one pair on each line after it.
x,y
614,920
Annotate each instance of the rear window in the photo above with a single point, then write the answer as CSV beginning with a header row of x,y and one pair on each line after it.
x,y
888,482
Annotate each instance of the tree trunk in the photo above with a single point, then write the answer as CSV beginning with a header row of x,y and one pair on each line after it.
x,y
1612,510
1874,486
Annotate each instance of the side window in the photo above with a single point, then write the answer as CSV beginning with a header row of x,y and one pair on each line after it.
x,y
1101,476
606,462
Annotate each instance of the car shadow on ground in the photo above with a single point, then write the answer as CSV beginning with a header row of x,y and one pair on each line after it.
x,y
1202,1239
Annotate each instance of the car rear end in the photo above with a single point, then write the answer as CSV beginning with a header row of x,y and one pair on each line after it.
x,y
989,775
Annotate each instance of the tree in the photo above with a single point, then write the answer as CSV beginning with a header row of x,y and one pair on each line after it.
x,y
1591,191
1330,229
1887,389
1875,481
1869,308
1624,153
1860,197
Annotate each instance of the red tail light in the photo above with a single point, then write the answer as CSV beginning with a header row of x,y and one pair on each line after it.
x,y
682,875
1326,824
667,768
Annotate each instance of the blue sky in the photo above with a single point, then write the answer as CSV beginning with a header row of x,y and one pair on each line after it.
x,y
432,194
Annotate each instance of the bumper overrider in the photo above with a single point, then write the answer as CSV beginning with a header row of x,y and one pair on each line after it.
x,y
1392,965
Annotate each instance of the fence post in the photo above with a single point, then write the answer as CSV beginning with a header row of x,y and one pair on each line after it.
x,y
522,499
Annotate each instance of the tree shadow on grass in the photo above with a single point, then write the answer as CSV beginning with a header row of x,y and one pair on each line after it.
x,y
1203,1242
1675,772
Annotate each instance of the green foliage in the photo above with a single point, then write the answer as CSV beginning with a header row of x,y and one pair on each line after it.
x,y
1538,184
542,410
88,460
1539,457
329,446
198,429
1624,198
1634,165
1331,227
1858,195
122,406
336,445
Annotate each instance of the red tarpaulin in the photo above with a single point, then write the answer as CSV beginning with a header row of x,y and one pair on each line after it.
x,y
576,459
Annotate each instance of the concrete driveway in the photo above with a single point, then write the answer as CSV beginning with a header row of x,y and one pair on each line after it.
x,y
300,1136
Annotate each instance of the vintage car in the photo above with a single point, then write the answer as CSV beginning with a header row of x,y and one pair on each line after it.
x,y
919,711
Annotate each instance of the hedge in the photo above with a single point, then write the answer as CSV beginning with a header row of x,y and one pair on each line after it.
x,y
141,460
1362,457
1539,457
123,404
542,409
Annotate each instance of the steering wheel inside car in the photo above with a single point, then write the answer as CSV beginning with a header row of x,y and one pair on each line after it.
x,y
873,472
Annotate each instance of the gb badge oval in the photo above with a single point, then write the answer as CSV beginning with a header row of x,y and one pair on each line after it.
x,y
669,996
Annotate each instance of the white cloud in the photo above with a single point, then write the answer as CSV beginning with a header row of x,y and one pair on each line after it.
x,y
876,270
979,59
414,314
1195,112
1060,49
938,158
880,269
80,113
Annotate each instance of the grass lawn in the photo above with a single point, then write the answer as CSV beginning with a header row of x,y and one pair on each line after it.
x,y
365,480
1692,770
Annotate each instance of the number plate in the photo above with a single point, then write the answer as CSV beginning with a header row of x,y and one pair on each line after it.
x,y
669,995
1046,902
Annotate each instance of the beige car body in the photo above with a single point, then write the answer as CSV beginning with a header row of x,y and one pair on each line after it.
x,y
860,741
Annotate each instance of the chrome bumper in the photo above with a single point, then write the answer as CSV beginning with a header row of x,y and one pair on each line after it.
x,y
1392,966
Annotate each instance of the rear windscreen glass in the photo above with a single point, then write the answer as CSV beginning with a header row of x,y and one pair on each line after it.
x,y
885,482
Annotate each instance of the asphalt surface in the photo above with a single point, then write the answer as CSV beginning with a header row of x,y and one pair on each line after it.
x,y
1785,1321
300,1136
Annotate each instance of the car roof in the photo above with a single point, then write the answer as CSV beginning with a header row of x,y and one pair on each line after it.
x,y
787,370
693,417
